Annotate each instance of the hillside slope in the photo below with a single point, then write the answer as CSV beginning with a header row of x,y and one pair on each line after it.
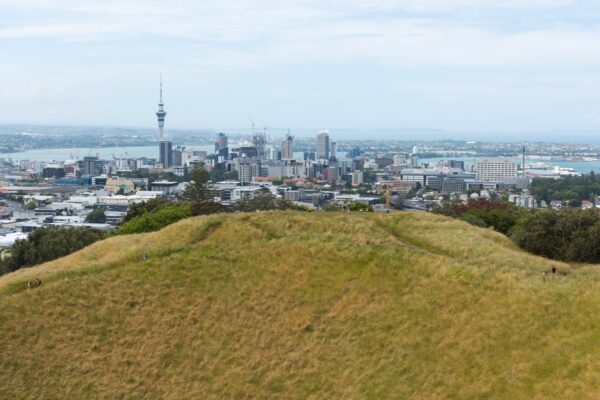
x,y
299,305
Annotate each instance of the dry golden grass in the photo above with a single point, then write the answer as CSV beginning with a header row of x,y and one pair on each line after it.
x,y
298,305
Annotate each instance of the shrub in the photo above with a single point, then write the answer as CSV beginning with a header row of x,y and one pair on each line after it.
x,y
486,213
139,209
567,235
156,219
209,207
361,207
46,244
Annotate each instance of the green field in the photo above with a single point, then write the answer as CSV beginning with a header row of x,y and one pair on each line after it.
x,y
297,305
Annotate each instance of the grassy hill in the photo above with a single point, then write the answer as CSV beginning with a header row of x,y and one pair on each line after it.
x,y
299,305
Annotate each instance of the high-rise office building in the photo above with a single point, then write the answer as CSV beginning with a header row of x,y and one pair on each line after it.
x,y
221,142
259,139
178,157
90,166
166,153
287,148
323,145
309,156
494,169
333,149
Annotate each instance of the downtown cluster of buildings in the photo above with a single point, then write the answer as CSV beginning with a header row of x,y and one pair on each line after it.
x,y
324,176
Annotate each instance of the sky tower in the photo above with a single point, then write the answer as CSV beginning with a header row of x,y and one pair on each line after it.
x,y
161,113
165,148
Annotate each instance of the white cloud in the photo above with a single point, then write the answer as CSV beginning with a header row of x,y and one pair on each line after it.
x,y
258,32
126,43
262,31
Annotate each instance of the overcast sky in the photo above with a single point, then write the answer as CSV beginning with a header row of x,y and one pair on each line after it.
x,y
511,66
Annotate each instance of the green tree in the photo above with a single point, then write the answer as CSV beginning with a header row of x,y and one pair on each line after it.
x,y
45,244
97,216
566,235
197,191
31,205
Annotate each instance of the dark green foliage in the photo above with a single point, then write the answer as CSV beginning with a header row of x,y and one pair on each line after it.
x,y
265,201
474,220
209,207
361,207
571,189
197,190
501,219
156,219
97,216
220,174
139,209
485,213
567,235
45,244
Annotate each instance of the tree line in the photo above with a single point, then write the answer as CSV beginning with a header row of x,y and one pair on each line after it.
x,y
569,189
571,235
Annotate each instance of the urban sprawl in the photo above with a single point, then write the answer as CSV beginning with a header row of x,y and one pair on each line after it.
x,y
319,177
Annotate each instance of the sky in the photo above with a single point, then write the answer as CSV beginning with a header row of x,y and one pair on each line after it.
x,y
505,69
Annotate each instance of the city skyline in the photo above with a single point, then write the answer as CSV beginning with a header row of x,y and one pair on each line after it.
x,y
449,66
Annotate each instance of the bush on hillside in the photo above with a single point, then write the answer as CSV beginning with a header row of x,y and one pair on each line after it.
x,y
566,235
361,207
209,207
46,244
501,216
156,219
139,209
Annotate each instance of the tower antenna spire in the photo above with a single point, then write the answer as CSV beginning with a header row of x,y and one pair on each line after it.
x,y
161,100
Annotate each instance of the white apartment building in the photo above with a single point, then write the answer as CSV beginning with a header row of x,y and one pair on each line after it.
x,y
357,177
494,169
247,170
323,145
